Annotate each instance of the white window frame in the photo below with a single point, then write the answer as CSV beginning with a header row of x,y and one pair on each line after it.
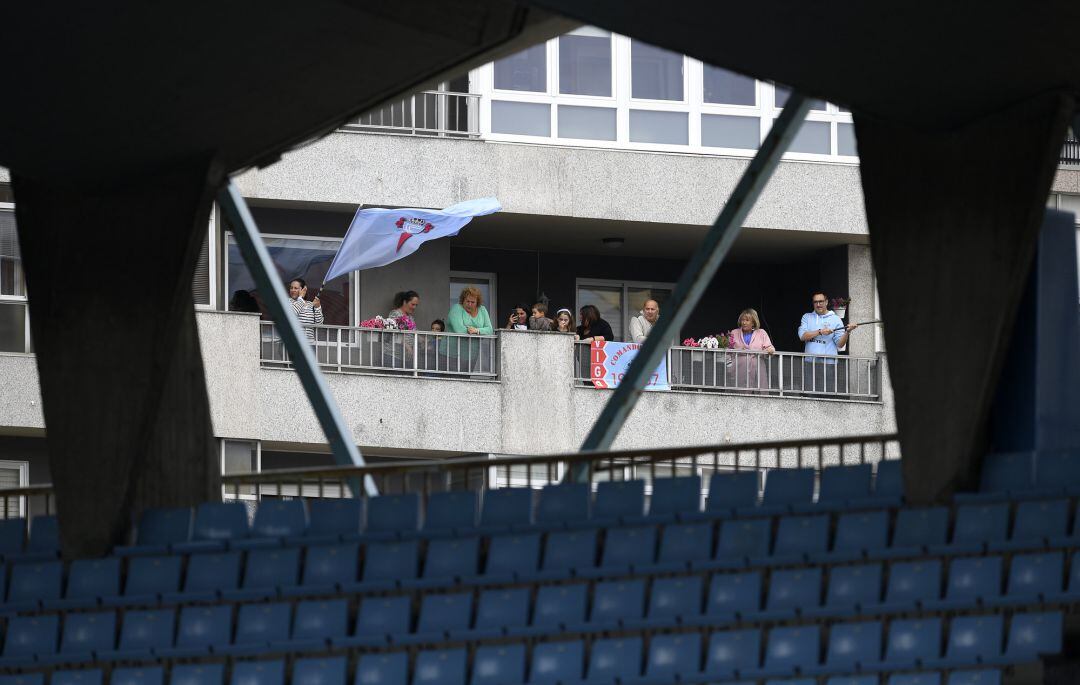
x,y
23,467
693,105
211,261
226,491
626,286
493,286
10,206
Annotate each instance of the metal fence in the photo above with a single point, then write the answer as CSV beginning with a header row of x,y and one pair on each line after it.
x,y
428,113
346,349
1070,151
783,374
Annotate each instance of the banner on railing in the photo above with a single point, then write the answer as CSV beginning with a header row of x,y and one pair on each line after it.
x,y
608,362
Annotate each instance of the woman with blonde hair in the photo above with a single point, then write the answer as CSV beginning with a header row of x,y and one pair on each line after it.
x,y
469,317
749,338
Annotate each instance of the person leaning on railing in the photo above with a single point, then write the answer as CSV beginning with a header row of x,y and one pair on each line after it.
x,y
751,337
400,354
309,313
469,317
824,334
564,322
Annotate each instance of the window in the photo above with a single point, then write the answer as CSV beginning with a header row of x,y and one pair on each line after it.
x,y
585,62
526,70
619,301
723,87
14,314
590,123
14,474
782,94
649,126
294,257
845,140
237,457
202,286
521,118
721,130
485,282
655,74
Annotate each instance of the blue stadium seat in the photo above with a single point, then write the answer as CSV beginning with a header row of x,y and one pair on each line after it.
x,y
731,652
798,538
976,526
389,564
972,580
258,626
141,633
731,595
328,567
850,589
506,508
563,505
918,529
498,665
858,535
1007,472
440,667
317,622
12,537
684,543
197,674
391,516
449,560
791,592
924,678
972,639
1037,523
619,501
139,675
450,513
32,583
277,519
148,579
378,621
615,660
556,606
911,583
910,642
844,486
733,493
208,575
23,679
976,677
674,497
158,530
499,610
673,600
787,650
319,671
1032,635
1057,472
626,549
512,557
27,636
888,483
1034,577
81,677
201,627
567,550
441,614
216,524
383,669
88,581
557,662
85,634
671,657
741,540
331,519
616,601
850,646
44,542
266,572
786,489
258,673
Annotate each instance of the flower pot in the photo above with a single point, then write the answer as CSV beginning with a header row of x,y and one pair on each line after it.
x,y
841,312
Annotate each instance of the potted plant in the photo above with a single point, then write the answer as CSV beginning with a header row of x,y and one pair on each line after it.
x,y
839,305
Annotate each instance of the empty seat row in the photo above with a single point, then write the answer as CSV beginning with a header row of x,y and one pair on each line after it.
x,y
393,516
1027,474
42,543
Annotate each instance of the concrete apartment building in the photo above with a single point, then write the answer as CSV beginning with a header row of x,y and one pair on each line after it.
x,y
611,158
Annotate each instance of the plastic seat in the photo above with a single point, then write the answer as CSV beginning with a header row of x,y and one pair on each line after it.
x,y
617,659
279,519
842,486
557,606
787,650
557,662
259,625
499,665
1032,635
440,667
792,591
910,584
506,508
1057,471
44,539
12,537
800,537
258,673
159,529
627,548
972,639
378,621
977,677
731,595
787,488
85,634
741,540
567,550
926,678
197,674
390,516
441,614
972,580
673,600
330,519
317,622
618,501
383,669
732,651
910,642
27,636
201,627
81,677
142,632
386,564
1034,577
1037,523
850,646
500,609
148,578
451,559
1007,472
918,529
34,582
851,588
208,575
732,493
329,566
976,526
617,601
684,543
673,497
140,675
23,679
888,483
88,581
267,571
563,505
216,523
858,535
319,671
512,556
450,512
672,657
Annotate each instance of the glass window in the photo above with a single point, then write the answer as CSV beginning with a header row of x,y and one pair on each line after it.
x,y
11,275
306,258
239,456
590,123
13,327
845,140
485,283
526,70
609,300
200,284
659,127
813,137
728,88
719,130
655,74
585,62
521,118
782,94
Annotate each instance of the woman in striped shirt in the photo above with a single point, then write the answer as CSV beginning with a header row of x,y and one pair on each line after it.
x,y
308,312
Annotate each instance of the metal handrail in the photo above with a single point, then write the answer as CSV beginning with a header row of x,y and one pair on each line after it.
x,y
440,113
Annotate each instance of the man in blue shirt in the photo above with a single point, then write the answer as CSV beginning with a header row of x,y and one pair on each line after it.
x,y
823,333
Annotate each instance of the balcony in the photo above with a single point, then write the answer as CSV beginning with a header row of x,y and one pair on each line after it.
x,y
429,113
1070,151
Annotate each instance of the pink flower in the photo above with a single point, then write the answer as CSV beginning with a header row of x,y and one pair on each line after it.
x,y
376,322
690,342
406,323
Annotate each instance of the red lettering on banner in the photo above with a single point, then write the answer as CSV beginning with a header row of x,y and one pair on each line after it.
x,y
598,357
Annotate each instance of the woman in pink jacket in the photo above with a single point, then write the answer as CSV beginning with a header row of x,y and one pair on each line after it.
x,y
749,337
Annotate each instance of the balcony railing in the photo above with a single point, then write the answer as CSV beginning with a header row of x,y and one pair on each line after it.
x,y
783,374
428,113
1070,151
345,349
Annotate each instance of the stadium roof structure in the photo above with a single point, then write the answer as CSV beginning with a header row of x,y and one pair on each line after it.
x,y
124,119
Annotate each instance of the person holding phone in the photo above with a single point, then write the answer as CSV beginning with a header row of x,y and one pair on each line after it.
x,y
518,320
309,313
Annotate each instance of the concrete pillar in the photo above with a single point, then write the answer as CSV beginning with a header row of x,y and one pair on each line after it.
x,y
860,270
109,274
537,373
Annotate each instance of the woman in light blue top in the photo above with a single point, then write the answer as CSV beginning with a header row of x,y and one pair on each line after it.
x,y
469,316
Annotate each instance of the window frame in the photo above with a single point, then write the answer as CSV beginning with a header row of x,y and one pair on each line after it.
x,y
23,467
493,287
16,300
616,283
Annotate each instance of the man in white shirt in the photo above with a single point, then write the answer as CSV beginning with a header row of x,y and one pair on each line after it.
x,y
641,325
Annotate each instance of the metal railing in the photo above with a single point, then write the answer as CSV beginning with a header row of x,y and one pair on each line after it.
x,y
1070,151
346,349
783,374
428,113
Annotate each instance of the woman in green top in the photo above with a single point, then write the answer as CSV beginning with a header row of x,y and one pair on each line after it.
x,y
469,317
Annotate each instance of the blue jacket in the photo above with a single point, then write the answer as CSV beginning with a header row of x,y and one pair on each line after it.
x,y
822,344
